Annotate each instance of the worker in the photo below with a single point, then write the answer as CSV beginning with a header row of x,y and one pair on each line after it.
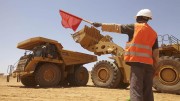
x,y
141,53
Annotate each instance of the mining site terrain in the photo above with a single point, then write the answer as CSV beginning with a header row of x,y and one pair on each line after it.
x,y
15,91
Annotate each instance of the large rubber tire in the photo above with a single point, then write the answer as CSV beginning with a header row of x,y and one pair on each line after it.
x,y
167,76
80,77
105,74
28,80
48,75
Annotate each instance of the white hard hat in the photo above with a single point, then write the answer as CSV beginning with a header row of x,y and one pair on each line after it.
x,y
145,12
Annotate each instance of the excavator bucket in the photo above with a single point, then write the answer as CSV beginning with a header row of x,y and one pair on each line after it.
x,y
87,37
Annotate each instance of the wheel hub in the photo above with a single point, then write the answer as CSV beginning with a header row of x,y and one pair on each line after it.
x,y
49,75
168,75
103,74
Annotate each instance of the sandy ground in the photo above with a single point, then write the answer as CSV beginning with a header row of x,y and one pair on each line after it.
x,y
13,91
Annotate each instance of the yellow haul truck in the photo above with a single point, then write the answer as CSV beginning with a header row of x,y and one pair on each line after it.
x,y
167,77
46,63
116,74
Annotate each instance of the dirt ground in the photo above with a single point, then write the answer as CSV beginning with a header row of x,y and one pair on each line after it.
x,y
13,91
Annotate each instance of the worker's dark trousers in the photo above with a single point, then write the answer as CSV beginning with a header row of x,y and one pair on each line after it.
x,y
141,83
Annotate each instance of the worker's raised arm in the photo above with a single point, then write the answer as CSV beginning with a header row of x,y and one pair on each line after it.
x,y
108,27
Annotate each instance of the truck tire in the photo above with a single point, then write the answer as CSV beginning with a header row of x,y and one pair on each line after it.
x,y
167,75
80,77
105,74
48,75
28,80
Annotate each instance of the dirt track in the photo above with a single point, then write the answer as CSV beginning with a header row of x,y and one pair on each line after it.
x,y
14,91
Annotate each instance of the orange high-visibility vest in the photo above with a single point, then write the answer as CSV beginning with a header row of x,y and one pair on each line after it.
x,y
139,49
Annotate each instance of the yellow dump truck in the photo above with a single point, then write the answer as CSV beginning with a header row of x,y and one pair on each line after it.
x,y
46,63
167,77
116,74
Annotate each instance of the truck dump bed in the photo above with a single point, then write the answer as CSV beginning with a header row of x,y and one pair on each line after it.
x,y
72,57
68,57
29,44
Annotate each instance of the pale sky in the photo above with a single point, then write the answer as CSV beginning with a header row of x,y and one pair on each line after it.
x,y
23,19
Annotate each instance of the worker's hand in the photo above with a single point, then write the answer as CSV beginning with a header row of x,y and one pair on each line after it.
x,y
96,24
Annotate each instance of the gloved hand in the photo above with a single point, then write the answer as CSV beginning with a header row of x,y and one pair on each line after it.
x,y
96,24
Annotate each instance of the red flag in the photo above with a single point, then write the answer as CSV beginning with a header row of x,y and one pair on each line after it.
x,y
69,20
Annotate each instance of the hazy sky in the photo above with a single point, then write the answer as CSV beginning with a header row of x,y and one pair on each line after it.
x,y
23,19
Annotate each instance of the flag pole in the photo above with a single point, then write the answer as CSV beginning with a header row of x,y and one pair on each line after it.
x,y
90,22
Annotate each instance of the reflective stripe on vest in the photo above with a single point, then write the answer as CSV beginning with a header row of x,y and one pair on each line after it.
x,y
139,46
138,54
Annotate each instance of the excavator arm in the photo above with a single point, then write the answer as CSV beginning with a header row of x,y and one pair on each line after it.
x,y
92,40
